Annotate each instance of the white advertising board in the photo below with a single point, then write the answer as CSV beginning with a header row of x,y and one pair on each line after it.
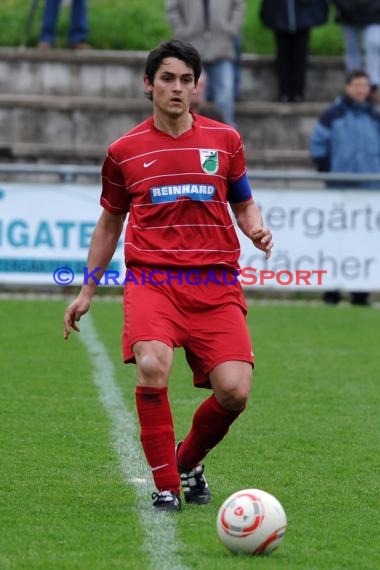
x,y
332,235
45,229
337,232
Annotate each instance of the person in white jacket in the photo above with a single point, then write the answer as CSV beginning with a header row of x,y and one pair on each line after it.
x,y
212,27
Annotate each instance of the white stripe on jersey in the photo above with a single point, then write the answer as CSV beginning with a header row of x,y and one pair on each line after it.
x,y
113,183
184,226
166,175
171,150
184,250
221,128
109,203
130,135
177,203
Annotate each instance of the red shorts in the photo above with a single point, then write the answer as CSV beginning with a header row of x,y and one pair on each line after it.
x,y
206,319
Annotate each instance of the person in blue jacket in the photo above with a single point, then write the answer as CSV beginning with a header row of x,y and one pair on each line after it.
x,y
346,139
291,21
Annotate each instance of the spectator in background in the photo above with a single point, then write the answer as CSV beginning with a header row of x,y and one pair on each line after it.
x,y
237,66
199,103
213,27
360,20
78,29
291,21
347,139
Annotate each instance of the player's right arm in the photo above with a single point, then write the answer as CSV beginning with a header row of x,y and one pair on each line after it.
x,y
102,247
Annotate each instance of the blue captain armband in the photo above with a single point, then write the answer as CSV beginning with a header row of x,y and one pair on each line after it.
x,y
239,190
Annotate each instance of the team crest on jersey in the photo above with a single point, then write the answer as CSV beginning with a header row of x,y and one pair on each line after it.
x,y
209,160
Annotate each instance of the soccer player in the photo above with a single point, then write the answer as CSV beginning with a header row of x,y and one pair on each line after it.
x,y
175,174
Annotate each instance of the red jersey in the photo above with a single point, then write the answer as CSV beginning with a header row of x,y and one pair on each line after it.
x,y
176,193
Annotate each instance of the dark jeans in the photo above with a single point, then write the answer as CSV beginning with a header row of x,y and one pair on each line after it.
x,y
292,52
78,22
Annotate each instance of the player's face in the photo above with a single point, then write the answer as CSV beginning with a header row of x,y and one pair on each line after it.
x,y
173,87
358,89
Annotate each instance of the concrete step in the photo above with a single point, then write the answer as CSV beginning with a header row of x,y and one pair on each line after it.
x,y
270,158
82,127
66,106
105,73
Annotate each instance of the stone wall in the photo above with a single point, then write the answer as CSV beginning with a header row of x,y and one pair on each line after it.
x,y
68,106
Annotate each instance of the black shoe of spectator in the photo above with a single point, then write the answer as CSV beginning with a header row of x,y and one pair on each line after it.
x,y
360,298
332,297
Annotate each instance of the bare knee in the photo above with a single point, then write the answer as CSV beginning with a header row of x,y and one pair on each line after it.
x,y
154,360
232,384
232,398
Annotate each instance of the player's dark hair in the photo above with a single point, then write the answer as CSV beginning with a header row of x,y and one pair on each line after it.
x,y
355,74
172,48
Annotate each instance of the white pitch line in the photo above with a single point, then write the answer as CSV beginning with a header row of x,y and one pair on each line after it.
x,y
161,543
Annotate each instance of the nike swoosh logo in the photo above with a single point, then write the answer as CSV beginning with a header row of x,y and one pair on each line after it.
x,y
146,164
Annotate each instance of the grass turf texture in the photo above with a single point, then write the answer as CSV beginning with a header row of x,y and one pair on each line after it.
x,y
141,24
309,436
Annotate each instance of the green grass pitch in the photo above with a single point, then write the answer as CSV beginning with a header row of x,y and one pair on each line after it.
x,y
310,436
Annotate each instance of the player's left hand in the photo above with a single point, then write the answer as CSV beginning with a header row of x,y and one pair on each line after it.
x,y
262,239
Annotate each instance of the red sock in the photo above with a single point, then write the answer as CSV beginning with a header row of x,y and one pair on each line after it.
x,y
211,422
157,436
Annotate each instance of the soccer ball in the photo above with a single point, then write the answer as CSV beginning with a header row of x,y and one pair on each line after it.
x,y
251,521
